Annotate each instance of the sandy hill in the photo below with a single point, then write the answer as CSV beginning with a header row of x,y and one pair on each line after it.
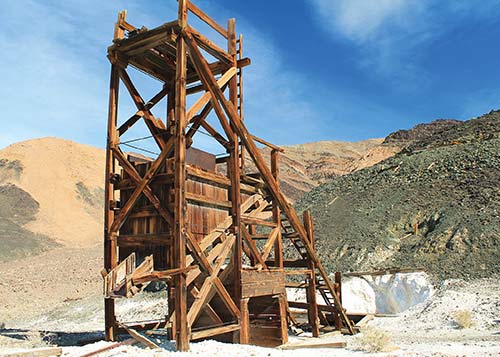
x,y
51,190
433,205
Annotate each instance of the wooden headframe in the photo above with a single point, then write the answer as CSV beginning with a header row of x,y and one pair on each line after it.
x,y
210,235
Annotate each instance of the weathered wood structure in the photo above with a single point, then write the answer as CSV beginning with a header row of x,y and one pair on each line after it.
x,y
212,231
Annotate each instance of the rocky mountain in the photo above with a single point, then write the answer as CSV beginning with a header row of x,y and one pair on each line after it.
x,y
305,166
50,194
435,205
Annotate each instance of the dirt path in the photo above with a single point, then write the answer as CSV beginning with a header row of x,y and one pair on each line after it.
x,y
33,285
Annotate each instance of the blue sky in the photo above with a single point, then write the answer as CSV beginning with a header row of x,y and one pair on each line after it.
x,y
321,69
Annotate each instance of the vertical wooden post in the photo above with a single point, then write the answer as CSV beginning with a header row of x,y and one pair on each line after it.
x,y
338,291
284,324
245,322
240,99
311,285
110,248
278,245
171,108
180,224
234,173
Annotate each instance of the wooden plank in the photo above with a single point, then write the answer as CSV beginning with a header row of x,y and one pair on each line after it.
x,y
219,330
207,200
321,344
35,352
144,239
385,271
215,178
259,222
364,321
139,338
129,341
268,246
140,278
262,283
142,39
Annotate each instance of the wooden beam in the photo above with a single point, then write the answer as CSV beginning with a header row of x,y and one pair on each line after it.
x,y
180,228
278,246
245,322
253,248
312,313
207,19
202,199
214,331
149,105
110,248
205,98
207,79
267,143
139,338
268,246
210,47
127,342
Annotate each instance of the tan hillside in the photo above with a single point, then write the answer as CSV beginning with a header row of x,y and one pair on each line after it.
x,y
52,189
66,179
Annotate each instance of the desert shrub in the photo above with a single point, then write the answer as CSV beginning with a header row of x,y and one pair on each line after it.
x,y
374,340
34,339
463,318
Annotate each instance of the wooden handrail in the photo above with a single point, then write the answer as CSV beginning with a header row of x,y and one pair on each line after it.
x,y
207,19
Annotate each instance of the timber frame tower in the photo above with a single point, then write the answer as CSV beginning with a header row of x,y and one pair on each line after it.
x,y
212,232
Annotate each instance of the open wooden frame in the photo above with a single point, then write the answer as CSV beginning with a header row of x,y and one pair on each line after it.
x,y
204,276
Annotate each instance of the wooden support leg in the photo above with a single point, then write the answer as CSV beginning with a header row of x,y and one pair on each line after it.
x,y
283,318
278,245
110,249
180,225
245,322
311,286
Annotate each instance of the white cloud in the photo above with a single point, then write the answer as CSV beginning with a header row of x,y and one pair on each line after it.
x,y
391,36
362,20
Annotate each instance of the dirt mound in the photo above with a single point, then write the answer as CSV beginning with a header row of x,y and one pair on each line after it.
x,y
51,188
435,205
